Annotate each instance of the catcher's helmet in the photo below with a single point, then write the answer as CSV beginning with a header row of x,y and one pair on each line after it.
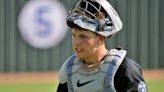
x,y
95,15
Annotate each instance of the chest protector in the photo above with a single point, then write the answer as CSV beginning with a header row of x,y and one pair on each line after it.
x,y
99,79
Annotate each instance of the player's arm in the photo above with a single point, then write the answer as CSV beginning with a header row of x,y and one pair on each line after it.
x,y
130,75
62,87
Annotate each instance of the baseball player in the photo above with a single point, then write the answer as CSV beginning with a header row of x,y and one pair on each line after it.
x,y
93,68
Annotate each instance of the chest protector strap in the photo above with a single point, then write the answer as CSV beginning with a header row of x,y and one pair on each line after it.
x,y
118,56
113,62
69,73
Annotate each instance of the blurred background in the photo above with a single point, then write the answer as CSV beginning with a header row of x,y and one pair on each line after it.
x,y
32,67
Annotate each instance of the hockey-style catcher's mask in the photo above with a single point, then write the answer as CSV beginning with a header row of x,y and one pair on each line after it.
x,y
95,15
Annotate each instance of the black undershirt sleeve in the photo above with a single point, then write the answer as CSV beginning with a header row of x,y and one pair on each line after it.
x,y
62,88
128,76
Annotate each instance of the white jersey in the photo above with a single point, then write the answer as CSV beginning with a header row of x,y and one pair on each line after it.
x,y
99,78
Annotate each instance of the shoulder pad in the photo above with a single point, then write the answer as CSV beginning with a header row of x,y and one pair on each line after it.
x,y
114,57
63,71
116,53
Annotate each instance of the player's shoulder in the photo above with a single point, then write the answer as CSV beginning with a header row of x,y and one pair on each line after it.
x,y
63,69
130,64
127,63
132,70
130,74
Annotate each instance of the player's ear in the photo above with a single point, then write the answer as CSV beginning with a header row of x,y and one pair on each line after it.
x,y
100,40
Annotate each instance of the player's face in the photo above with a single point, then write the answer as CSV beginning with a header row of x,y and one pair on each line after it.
x,y
84,43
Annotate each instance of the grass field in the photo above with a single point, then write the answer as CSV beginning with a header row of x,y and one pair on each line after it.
x,y
48,87
156,86
46,83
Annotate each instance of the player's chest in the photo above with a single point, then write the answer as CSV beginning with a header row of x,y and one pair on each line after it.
x,y
89,81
